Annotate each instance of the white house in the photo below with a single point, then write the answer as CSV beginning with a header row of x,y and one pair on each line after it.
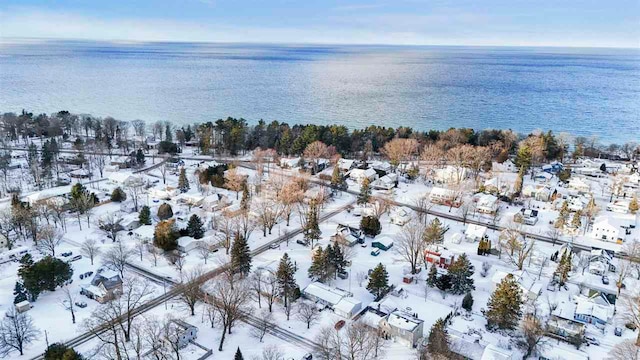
x,y
386,182
619,206
475,232
359,175
187,243
450,174
492,352
123,178
442,196
605,228
538,192
346,164
487,204
289,162
400,215
507,166
579,185
165,193
403,327
339,300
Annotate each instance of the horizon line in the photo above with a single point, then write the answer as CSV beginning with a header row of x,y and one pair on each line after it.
x,y
311,43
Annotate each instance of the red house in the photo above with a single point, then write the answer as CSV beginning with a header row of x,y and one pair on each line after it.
x,y
442,258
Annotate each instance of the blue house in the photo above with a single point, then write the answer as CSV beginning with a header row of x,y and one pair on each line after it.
x,y
589,312
553,168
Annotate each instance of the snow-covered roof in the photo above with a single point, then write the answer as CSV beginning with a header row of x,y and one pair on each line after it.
x,y
23,303
384,240
347,305
492,352
122,177
404,321
475,231
438,191
144,231
326,293
372,318
345,164
561,353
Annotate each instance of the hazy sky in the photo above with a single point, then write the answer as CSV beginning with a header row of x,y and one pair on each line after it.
x,y
598,23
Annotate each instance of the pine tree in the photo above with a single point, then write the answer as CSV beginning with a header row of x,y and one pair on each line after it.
x,y
443,282
183,182
461,272
433,275
562,216
286,279
365,192
378,281
438,339
145,216
195,228
370,225
633,205
563,269
246,196
338,261
467,302
434,234
238,355
118,195
317,268
240,255
504,305
20,293
517,187
576,221
312,230
336,178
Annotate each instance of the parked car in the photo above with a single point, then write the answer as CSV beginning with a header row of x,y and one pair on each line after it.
x,y
274,246
302,242
76,258
605,279
375,252
88,273
307,356
81,304
364,245
343,275
617,331
339,325
590,340
81,276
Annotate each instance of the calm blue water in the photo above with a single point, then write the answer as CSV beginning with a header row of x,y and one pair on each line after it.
x,y
582,91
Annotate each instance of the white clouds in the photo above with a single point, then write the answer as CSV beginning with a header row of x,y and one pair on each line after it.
x,y
347,26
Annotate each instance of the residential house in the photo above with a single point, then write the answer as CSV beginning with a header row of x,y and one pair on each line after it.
x,y
383,243
216,202
579,185
359,175
450,174
403,327
553,168
605,228
492,352
526,216
400,215
289,163
130,221
346,164
123,178
80,174
538,192
387,182
619,206
560,353
508,166
164,193
529,284
542,177
144,233
347,235
475,232
589,312
487,204
104,286
442,258
340,301
185,332
444,196
187,243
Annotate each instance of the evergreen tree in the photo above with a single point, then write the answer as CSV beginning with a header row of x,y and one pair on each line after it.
x,y
517,187
443,282
240,255
433,275
563,269
118,195
165,212
467,302
312,229
145,216
46,274
195,228
438,340
461,272
238,355
58,351
183,182
317,269
338,262
633,205
561,221
165,235
434,234
370,225
378,281
20,293
365,192
504,305
140,157
337,180
286,280
576,222
246,196
523,158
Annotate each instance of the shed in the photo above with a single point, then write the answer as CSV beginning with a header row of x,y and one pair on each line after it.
x,y
23,306
383,243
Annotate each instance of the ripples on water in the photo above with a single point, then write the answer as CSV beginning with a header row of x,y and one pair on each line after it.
x,y
582,91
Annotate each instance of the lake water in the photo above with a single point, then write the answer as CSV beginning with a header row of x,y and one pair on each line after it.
x,y
581,91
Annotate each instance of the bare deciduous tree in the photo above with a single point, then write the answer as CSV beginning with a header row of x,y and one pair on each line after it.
x,y
49,237
16,331
204,250
625,350
308,314
90,249
234,181
117,257
268,214
261,324
190,289
410,244
110,225
68,302
231,300
516,245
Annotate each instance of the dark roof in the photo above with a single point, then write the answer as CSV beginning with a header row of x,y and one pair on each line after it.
x,y
108,282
